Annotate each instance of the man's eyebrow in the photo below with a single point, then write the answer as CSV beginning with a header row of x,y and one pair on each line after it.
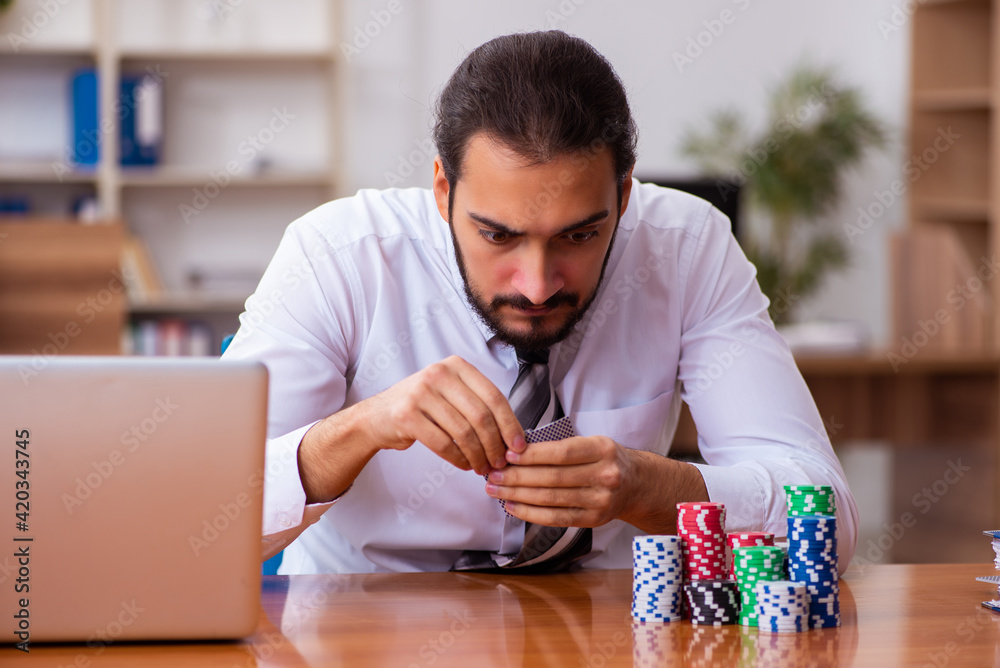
x,y
500,227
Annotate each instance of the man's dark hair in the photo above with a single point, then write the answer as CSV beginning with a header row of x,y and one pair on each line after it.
x,y
542,94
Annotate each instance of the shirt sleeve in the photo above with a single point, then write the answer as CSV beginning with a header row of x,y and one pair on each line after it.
x,y
758,426
300,324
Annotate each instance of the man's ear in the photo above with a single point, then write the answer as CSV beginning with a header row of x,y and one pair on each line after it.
x,y
441,188
626,190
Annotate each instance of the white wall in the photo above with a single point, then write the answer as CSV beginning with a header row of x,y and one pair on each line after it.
x,y
394,78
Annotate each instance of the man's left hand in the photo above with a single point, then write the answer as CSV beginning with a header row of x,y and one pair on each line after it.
x,y
579,481
587,481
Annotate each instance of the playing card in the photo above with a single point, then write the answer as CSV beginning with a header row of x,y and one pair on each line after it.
x,y
554,431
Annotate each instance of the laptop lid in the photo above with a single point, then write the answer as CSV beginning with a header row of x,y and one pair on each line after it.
x,y
130,498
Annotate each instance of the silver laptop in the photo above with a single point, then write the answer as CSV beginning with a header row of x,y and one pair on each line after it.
x,y
130,498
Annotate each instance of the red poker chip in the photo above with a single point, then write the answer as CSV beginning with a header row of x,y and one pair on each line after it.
x,y
704,543
701,505
750,535
714,525
717,535
702,525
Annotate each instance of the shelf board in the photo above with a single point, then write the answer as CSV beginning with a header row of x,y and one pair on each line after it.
x,y
184,177
876,362
953,209
6,49
225,55
953,2
958,99
193,302
42,172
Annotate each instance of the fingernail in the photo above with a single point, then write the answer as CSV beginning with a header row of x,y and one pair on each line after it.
x,y
500,463
513,457
519,444
496,476
491,489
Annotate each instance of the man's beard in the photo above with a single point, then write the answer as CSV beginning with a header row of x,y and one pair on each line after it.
x,y
537,338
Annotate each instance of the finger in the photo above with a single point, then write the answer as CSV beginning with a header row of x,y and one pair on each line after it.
x,y
553,517
445,415
544,476
440,443
503,416
478,417
548,497
569,451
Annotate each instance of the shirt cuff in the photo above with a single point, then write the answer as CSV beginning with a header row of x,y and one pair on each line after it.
x,y
740,490
286,514
284,497
272,544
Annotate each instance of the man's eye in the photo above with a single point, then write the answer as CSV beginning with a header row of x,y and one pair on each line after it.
x,y
582,237
494,237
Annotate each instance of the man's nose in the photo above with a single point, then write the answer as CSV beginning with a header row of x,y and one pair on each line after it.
x,y
537,277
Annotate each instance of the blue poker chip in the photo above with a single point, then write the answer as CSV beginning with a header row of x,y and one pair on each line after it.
x,y
657,578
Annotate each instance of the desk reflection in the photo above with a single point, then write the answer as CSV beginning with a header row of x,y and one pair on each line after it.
x,y
513,621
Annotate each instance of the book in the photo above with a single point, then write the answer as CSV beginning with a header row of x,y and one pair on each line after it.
x,y
142,280
85,117
141,127
170,337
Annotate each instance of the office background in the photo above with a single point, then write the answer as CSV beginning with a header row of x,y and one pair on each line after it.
x,y
345,89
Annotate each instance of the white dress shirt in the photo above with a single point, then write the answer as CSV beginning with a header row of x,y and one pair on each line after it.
x,y
365,291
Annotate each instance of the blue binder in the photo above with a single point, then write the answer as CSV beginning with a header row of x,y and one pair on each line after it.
x,y
86,134
141,120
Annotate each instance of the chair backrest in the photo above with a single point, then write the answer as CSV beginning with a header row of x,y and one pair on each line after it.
x,y
270,567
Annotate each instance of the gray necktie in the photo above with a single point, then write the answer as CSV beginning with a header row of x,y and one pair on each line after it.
x,y
544,548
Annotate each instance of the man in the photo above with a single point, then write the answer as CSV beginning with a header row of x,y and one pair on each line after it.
x,y
396,323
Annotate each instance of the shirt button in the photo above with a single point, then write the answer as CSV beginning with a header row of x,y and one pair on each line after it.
x,y
286,522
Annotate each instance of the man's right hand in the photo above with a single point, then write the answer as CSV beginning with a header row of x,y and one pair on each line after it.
x,y
449,406
454,410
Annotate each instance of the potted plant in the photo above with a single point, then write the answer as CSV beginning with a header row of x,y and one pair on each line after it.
x,y
792,173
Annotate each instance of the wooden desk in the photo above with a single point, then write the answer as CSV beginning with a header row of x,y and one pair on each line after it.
x,y
892,616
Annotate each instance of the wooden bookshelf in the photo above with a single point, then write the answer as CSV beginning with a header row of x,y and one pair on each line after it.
x,y
941,262
225,72
946,282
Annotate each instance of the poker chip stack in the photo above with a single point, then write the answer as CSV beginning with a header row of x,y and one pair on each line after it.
x,y
759,563
713,602
994,579
810,500
812,560
996,563
737,539
701,526
657,578
782,606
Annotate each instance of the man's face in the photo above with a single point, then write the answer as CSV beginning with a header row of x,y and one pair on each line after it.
x,y
531,240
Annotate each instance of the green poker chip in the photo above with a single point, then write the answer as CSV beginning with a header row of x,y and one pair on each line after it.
x,y
810,500
753,564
